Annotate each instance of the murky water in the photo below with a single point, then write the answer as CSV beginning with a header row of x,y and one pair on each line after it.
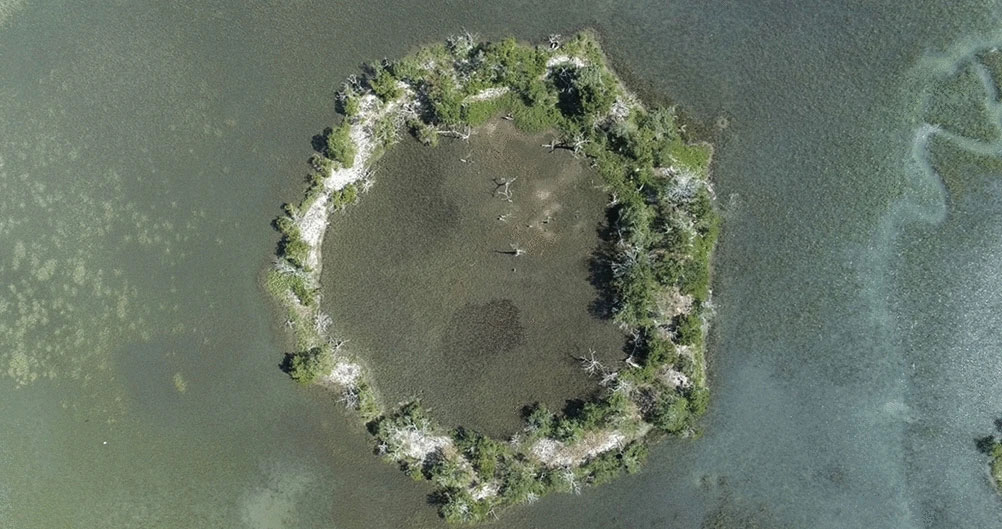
x,y
422,278
145,146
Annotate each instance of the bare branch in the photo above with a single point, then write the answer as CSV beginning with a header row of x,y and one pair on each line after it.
x,y
463,134
504,187
631,362
590,364
321,322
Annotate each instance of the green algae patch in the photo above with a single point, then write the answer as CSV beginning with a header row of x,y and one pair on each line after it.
x,y
662,230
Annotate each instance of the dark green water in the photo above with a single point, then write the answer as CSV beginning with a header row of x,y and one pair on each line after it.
x,y
145,146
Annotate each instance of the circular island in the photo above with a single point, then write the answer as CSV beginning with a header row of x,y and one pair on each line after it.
x,y
648,227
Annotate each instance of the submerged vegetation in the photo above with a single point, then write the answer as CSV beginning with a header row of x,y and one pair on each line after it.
x,y
656,255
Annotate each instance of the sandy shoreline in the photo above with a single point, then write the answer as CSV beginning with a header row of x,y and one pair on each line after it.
x,y
313,222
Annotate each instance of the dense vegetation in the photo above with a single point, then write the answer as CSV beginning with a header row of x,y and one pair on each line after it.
x,y
992,447
657,255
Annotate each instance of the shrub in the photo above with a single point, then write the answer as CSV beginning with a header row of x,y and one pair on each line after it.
x,y
348,102
423,132
586,92
287,226
340,147
689,328
446,102
996,466
519,479
699,400
483,452
385,130
281,283
480,112
460,507
295,250
344,197
535,118
636,296
449,473
659,351
298,287
695,157
306,367
384,85
661,121
540,420
671,413
368,404
352,106
514,65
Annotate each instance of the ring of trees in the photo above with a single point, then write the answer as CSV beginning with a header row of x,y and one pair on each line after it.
x,y
664,232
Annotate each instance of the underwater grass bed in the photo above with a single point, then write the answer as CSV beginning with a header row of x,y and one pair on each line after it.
x,y
663,225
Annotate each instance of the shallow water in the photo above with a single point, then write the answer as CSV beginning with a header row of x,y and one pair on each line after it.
x,y
420,277
144,147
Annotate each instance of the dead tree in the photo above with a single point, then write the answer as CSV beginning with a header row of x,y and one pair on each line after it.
x,y
366,182
554,41
321,322
575,144
354,82
516,250
411,108
504,187
463,134
623,387
590,364
571,480
335,343
350,398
